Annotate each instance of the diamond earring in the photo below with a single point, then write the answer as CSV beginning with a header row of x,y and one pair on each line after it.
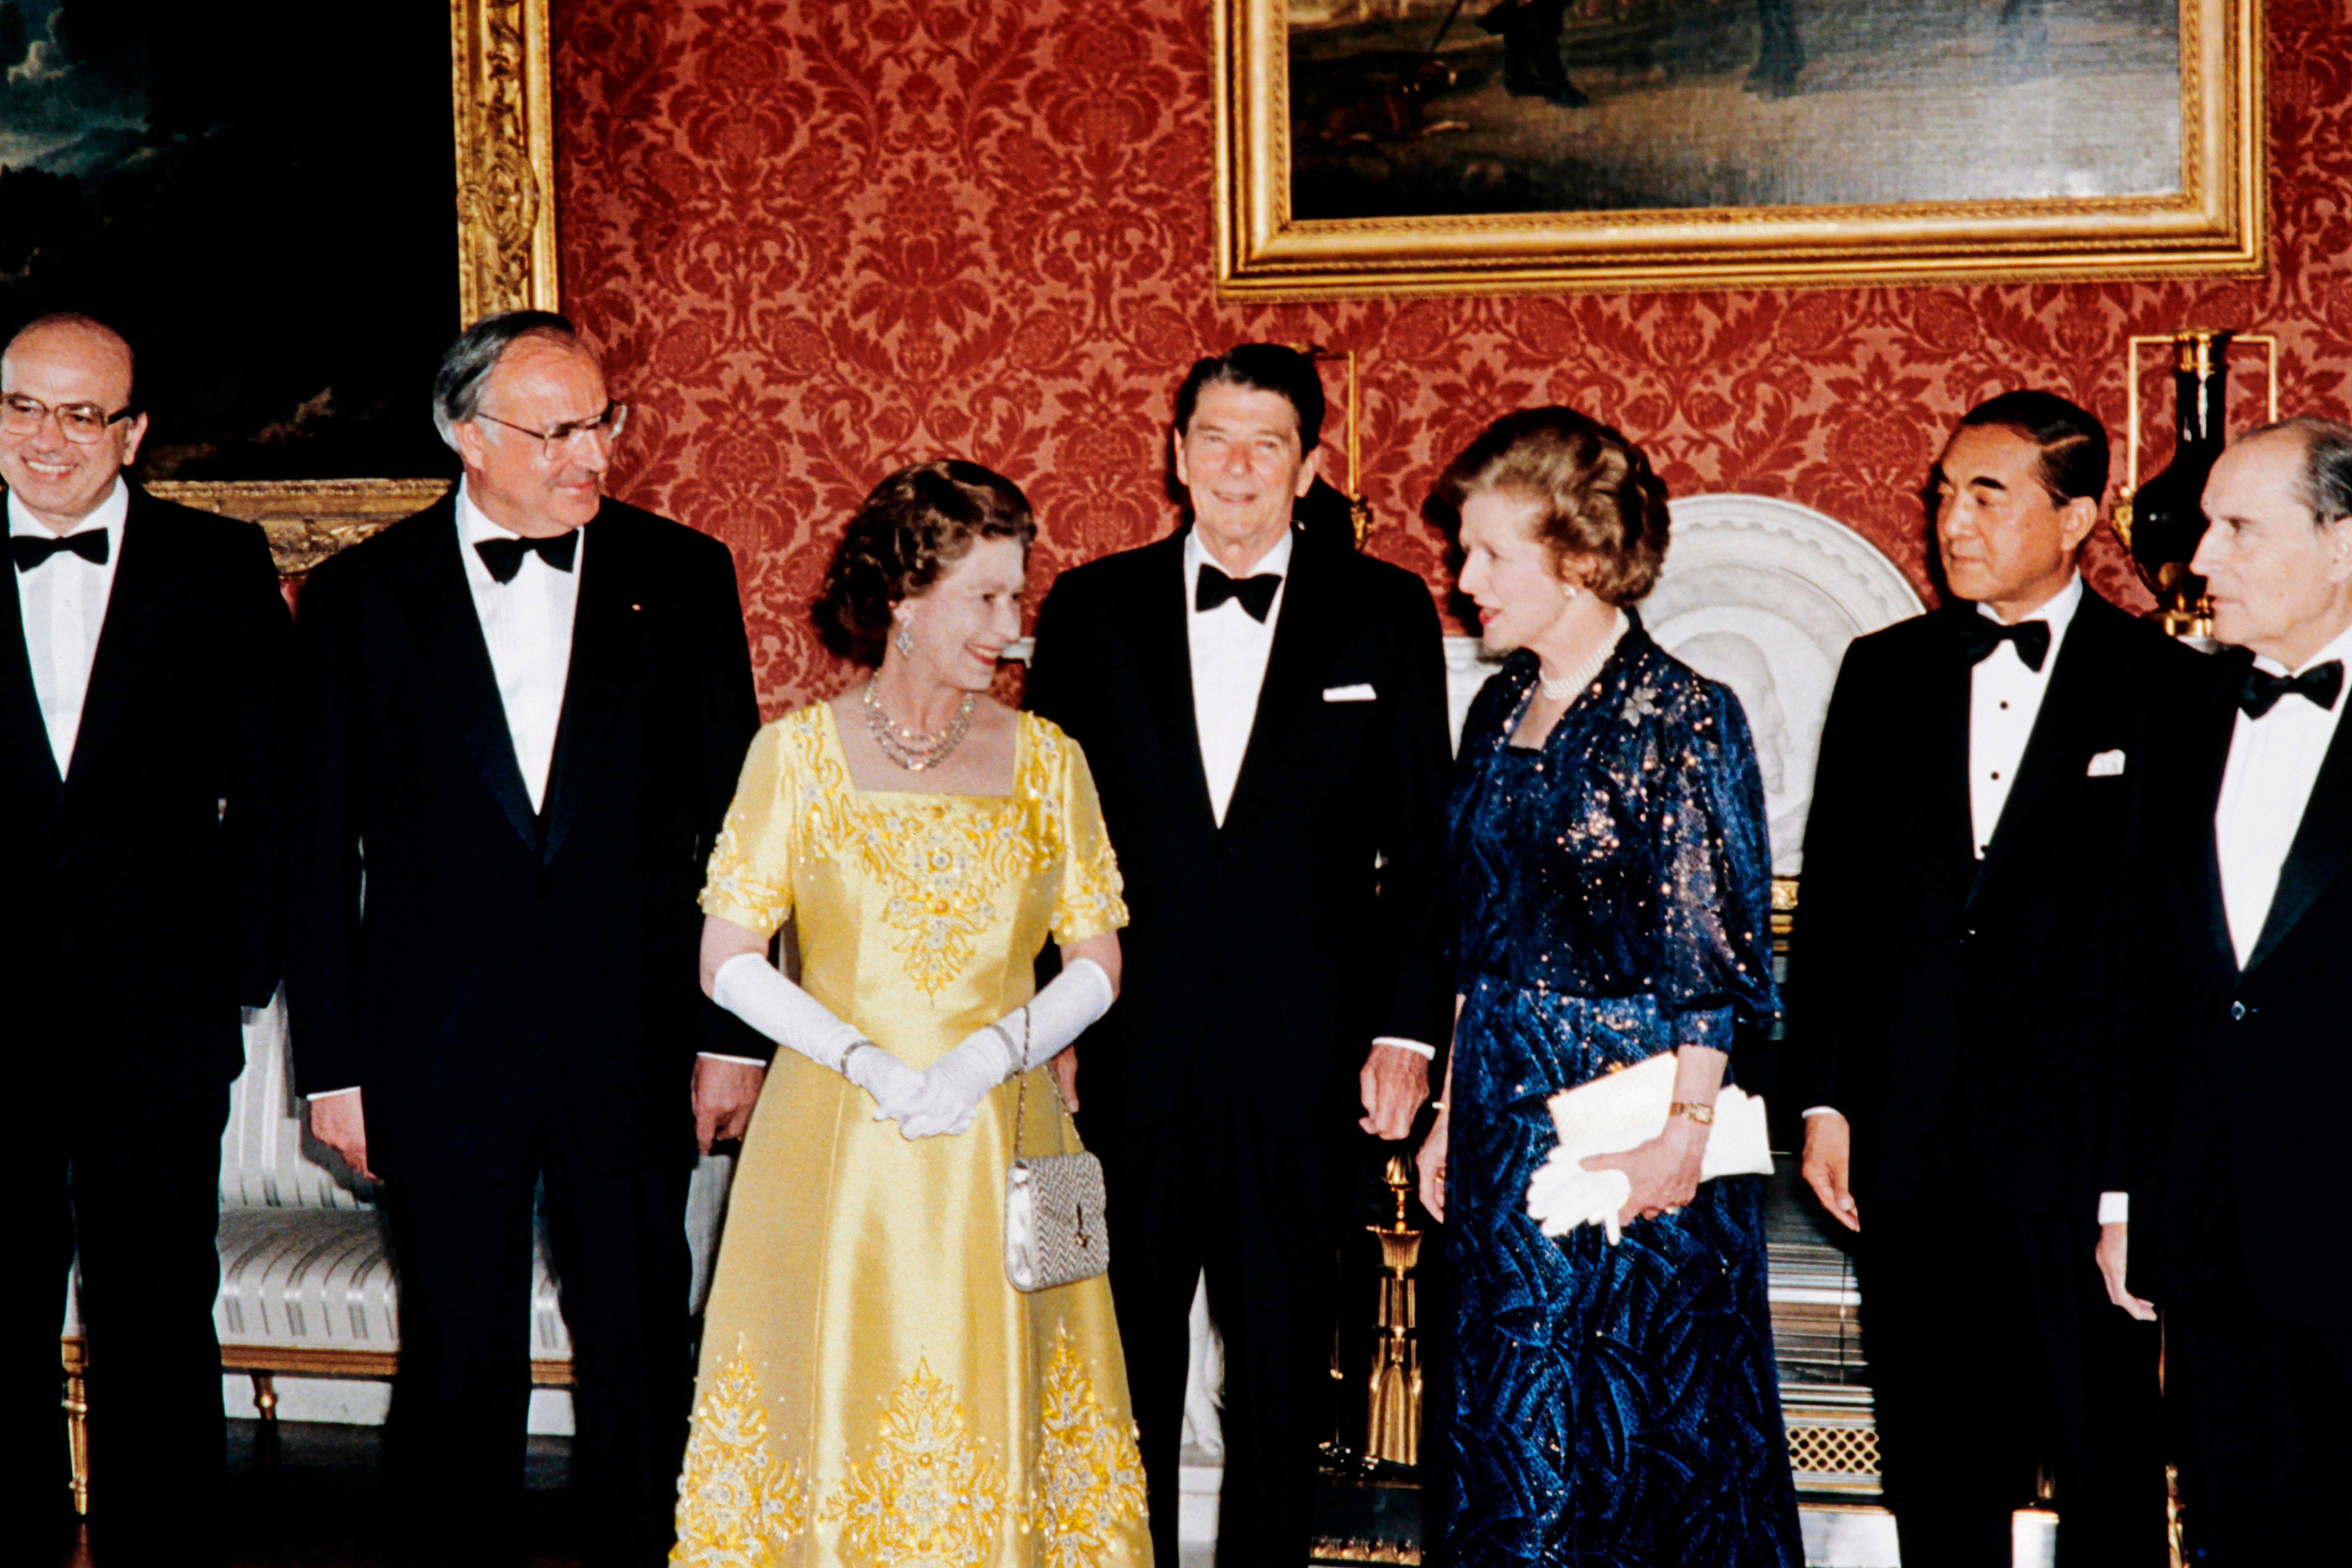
x,y
904,641
1568,591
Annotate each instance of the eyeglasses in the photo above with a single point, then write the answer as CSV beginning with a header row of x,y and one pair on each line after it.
x,y
81,422
604,426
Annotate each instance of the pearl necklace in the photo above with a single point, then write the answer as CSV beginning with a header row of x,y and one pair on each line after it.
x,y
1581,676
916,750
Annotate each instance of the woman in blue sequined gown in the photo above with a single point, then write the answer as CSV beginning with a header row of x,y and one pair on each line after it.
x,y
1614,1404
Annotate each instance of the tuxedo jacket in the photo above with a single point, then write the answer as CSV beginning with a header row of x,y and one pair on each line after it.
x,y
1957,1010
2240,1145
486,973
1265,954
143,882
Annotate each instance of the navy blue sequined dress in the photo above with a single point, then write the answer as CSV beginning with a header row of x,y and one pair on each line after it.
x,y
1614,1405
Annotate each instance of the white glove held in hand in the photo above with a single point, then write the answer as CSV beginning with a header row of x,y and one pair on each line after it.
x,y
749,987
958,1082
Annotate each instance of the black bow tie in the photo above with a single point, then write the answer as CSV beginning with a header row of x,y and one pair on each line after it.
x,y
1256,594
1979,634
504,556
32,548
2321,684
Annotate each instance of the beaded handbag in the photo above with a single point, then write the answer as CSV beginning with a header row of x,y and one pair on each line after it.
x,y
1054,1230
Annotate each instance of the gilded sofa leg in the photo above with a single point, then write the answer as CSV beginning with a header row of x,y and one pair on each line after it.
x,y
265,1401
78,1437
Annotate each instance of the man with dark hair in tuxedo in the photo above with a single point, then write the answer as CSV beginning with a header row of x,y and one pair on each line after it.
x,y
2233,1224
144,773
1265,712
525,707
1953,991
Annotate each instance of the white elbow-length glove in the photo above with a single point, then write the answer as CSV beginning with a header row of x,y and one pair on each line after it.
x,y
749,987
956,1083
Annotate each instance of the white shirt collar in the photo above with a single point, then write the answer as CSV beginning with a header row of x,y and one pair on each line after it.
x,y
2340,648
2058,609
107,514
1276,560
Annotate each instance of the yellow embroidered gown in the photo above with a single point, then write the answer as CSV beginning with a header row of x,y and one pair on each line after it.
x,y
872,1391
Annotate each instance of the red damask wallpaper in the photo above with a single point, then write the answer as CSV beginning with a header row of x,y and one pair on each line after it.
x,y
820,238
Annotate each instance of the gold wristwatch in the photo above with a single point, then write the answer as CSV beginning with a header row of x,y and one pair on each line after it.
x,y
1702,1114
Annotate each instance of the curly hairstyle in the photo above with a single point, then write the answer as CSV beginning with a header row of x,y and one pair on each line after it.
x,y
915,525
1603,505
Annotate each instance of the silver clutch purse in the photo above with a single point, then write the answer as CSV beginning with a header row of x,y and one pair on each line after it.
x,y
1054,1229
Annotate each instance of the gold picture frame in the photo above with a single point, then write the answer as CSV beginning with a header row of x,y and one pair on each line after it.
x,y
2213,226
503,121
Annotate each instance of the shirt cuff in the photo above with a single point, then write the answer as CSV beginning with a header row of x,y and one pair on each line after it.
x,y
330,1093
2114,1208
723,1056
1427,1053
1823,1111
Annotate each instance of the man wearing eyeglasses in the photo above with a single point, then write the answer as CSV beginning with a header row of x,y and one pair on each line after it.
x,y
143,790
524,712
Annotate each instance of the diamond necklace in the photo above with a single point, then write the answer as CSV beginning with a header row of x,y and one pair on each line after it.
x,y
916,750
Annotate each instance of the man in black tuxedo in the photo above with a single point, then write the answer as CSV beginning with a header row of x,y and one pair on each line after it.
x,y
526,707
2236,1222
144,783
1954,987
1265,712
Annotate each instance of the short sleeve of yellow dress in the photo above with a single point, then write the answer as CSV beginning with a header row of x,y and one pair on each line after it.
x,y
872,1389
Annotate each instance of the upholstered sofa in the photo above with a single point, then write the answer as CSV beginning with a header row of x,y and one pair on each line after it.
x,y
306,1288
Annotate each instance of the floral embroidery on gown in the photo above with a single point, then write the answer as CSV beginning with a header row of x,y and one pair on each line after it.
x,y
1613,1406
872,1389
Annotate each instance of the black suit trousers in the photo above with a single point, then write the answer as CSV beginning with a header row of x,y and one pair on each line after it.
x,y
463,1249
1258,1223
128,1172
1996,1358
2261,1406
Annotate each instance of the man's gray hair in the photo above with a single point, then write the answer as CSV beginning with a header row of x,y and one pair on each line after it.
x,y
2326,462
458,385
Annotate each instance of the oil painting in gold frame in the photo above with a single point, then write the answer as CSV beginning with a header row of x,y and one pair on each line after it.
x,y
1379,147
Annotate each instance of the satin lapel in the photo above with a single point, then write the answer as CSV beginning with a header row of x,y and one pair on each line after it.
x,y
127,637
1165,654
602,640
1289,671
21,701
2052,745
2211,734
451,645
1944,713
2321,845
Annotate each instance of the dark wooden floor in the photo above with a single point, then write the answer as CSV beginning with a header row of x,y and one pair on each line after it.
x,y
320,1503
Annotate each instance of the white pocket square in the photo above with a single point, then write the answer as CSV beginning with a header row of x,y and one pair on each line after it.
x,y
2106,766
1359,692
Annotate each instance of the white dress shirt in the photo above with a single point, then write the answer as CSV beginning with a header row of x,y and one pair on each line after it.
x,y
1229,652
2274,761
62,603
2004,698
528,624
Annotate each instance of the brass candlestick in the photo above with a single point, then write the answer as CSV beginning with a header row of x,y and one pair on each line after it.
x,y
1392,1423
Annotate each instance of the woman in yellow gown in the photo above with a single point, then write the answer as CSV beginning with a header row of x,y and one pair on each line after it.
x,y
872,1389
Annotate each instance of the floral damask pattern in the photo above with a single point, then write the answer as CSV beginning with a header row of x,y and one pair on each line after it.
x,y
820,238
1090,1475
927,1494
738,1505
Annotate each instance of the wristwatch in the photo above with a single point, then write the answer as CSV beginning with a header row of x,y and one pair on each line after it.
x,y
1702,1114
